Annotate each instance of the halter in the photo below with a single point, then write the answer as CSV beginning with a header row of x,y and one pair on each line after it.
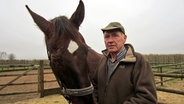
x,y
67,92
78,92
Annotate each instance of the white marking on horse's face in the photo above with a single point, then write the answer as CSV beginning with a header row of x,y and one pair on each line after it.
x,y
72,46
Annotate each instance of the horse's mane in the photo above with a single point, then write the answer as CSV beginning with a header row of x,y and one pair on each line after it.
x,y
64,27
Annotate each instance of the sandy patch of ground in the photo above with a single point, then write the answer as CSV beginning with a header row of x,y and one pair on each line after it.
x,y
51,99
163,97
169,98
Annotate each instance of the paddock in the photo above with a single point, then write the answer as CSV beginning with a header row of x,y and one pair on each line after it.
x,y
38,84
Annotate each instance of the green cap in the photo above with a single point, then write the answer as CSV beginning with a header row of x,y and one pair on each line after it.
x,y
114,25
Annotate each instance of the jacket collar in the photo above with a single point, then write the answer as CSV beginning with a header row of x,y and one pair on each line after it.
x,y
129,56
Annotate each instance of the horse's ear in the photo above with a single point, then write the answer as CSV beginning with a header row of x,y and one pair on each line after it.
x,y
42,23
78,15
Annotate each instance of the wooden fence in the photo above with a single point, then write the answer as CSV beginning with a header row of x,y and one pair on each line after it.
x,y
160,71
177,71
17,76
26,69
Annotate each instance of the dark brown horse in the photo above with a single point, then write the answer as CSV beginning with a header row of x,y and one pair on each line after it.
x,y
72,61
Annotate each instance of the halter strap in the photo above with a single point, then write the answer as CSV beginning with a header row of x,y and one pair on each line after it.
x,y
78,92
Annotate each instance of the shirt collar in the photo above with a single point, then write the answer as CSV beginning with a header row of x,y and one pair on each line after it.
x,y
121,54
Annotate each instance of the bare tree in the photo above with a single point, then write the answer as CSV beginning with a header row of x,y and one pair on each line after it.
x,y
11,57
3,55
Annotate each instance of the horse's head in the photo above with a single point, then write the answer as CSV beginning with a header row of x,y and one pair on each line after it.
x,y
67,52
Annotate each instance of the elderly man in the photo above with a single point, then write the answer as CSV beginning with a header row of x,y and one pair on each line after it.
x,y
123,76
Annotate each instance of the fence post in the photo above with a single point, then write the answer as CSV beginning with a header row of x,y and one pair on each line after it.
x,y
161,78
181,71
41,80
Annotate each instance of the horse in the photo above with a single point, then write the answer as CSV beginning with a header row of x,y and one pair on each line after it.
x,y
72,61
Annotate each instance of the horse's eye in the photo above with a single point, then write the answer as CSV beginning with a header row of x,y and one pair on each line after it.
x,y
58,62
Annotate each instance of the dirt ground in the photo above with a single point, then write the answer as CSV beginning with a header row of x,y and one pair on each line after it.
x,y
164,98
11,99
33,98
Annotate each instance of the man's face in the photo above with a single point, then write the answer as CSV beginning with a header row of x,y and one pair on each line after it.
x,y
114,41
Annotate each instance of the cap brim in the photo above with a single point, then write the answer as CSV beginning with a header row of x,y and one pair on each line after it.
x,y
109,28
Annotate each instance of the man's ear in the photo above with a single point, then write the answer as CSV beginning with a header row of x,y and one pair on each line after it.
x,y
125,37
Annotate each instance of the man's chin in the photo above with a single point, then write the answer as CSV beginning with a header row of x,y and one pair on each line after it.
x,y
111,50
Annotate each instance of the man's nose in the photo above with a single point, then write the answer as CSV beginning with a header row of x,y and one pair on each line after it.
x,y
110,39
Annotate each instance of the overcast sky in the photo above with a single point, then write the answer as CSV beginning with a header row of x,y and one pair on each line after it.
x,y
152,26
